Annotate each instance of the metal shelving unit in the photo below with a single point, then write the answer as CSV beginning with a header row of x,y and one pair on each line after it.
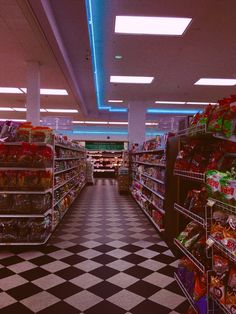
x,y
154,192
190,214
185,292
154,179
187,253
64,170
63,183
195,176
148,151
149,164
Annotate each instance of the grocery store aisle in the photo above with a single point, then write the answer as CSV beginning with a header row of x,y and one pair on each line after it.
x,y
105,257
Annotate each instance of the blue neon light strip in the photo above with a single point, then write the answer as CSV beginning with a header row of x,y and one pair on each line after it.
x,y
171,111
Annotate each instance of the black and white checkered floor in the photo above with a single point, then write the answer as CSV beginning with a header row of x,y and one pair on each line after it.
x,y
104,258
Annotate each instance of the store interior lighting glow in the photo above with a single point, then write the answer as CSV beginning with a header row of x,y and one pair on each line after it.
x,y
6,109
115,100
118,123
200,103
15,120
170,102
151,25
95,122
216,82
10,90
63,110
131,79
20,109
49,91
173,111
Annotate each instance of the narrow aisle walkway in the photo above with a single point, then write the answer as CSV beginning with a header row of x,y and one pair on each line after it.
x,y
105,258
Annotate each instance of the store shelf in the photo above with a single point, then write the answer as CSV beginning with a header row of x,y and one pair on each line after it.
x,y
66,194
158,208
65,182
187,253
185,292
67,158
25,243
154,192
55,226
70,148
27,192
223,206
149,164
148,151
24,169
202,130
220,305
68,169
195,176
224,249
104,170
190,214
47,212
154,179
31,143
148,215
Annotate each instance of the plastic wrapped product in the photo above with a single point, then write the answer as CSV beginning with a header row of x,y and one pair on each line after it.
x,y
24,132
41,134
22,203
5,203
40,203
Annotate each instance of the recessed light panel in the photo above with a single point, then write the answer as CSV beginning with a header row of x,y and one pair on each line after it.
x,y
10,90
115,100
200,103
6,109
131,79
216,82
46,91
20,109
170,102
63,110
151,25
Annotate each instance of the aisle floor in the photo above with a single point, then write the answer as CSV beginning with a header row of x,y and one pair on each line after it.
x,y
104,258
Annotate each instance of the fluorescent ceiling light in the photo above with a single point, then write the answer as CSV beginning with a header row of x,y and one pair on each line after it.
x,y
10,90
63,110
151,123
200,103
78,122
118,123
19,109
170,102
43,110
216,81
171,111
115,100
48,91
131,79
96,122
151,25
6,109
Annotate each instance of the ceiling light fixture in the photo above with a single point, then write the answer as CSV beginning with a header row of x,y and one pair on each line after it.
x,y
118,57
48,91
131,79
115,100
96,122
200,103
15,120
118,123
10,90
170,102
20,109
63,110
151,25
6,109
216,82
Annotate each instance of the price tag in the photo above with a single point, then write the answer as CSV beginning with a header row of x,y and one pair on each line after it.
x,y
209,242
210,202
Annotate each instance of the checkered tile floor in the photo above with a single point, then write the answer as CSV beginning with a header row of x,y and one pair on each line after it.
x,y
104,258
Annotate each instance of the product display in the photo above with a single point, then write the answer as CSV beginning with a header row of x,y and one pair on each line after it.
x,y
33,193
105,161
148,167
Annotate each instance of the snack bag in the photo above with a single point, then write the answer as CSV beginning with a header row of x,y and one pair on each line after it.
x,y
216,121
24,132
213,178
205,116
229,119
231,291
228,190
3,154
41,134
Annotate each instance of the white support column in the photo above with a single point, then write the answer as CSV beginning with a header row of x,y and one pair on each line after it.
x,y
136,119
33,93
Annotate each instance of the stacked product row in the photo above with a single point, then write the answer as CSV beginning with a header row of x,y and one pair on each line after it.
x,y
105,161
148,167
206,183
35,166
